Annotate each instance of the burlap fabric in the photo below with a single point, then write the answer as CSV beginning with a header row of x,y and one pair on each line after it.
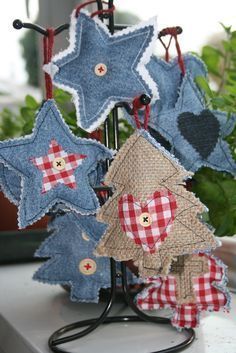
x,y
140,168
184,269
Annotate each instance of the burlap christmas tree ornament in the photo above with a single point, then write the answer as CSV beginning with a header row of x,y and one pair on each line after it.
x,y
195,283
152,218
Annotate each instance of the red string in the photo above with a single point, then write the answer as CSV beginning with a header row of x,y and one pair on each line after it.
x,y
173,32
180,57
48,42
96,135
137,104
96,12
167,56
99,12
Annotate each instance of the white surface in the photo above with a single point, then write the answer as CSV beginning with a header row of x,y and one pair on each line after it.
x,y
31,312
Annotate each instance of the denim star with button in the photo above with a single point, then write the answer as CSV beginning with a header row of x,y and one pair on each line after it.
x,y
19,154
100,69
70,249
195,132
10,181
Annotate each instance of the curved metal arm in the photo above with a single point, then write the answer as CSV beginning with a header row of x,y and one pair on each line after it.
x,y
18,24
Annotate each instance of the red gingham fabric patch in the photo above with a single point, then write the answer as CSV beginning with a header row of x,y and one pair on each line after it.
x,y
53,176
158,211
185,316
207,295
163,294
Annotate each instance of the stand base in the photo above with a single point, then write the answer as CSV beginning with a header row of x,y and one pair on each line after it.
x,y
54,340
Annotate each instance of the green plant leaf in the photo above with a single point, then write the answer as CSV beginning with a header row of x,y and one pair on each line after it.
x,y
203,84
212,57
31,102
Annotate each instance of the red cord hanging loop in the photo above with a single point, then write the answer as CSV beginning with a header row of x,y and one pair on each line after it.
x,y
173,32
95,13
48,42
137,105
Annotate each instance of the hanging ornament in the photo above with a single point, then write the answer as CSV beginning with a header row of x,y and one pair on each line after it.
x,y
181,121
53,164
195,132
195,283
152,218
100,69
168,78
72,262
168,73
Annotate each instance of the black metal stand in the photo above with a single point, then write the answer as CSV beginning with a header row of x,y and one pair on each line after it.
x,y
90,325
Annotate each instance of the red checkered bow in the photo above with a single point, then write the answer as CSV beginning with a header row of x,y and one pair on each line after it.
x,y
163,294
148,224
58,166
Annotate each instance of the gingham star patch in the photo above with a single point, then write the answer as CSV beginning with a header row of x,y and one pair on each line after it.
x,y
148,223
58,166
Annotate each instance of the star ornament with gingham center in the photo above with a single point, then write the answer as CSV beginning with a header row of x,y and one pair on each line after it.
x,y
58,166
66,179
100,69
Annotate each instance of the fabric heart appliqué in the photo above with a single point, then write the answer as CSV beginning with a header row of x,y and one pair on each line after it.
x,y
201,131
148,223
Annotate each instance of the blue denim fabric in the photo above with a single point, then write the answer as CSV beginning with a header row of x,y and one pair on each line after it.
x,y
73,239
10,184
73,70
167,124
168,78
16,155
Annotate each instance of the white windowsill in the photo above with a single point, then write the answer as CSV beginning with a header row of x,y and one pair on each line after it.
x,y
31,311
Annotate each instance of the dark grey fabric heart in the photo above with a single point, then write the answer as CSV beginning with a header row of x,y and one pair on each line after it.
x,y
201,131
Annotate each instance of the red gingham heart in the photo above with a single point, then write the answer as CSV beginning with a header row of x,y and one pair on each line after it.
x,y
149,223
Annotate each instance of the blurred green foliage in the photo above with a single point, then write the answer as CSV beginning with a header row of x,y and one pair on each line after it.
x,y
218,190
31,56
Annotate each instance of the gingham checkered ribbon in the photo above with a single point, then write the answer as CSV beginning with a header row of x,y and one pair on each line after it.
x,y
52,176
160,207
163,294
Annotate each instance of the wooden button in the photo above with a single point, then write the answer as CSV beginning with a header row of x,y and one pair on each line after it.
x,y
87,266
100,69
145,219
59,163
85,236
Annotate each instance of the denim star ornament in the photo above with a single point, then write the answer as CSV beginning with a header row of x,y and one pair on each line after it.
x,y
100,69
168,77
55,167
72,262
195,132
10,184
